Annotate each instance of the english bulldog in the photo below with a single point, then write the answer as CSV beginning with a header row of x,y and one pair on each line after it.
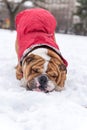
x,y
40,63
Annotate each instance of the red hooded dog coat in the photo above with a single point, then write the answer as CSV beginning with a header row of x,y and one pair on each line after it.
x,y
35,27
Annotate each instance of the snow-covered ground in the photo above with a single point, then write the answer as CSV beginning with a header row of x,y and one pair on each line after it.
x,y
25,110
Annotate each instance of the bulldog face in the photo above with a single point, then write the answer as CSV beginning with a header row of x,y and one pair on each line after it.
x,y
43,70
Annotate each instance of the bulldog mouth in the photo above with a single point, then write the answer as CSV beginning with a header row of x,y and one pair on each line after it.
x,y
39,89
36,89
36,86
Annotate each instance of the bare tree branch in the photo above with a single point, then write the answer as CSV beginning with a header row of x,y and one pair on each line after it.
x,y
48,2
12,8
36,3
8,5
17,7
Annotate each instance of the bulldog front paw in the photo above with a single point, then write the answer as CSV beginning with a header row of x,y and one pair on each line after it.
x,y
19,73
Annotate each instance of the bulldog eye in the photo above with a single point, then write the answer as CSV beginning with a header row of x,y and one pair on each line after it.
x,y
35,71
28,59
62,67
54,76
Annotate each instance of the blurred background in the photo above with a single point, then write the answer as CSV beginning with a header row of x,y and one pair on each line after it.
x,y
71,15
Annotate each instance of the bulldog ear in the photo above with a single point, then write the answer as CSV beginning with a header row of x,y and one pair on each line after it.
x,y
61,77
62,67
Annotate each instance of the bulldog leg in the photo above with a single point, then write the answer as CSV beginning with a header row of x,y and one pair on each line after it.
x,y
19,73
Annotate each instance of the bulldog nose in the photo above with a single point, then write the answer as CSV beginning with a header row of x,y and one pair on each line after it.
x,y
43,80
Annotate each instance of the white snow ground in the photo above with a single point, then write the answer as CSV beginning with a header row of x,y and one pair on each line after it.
x,y
25,110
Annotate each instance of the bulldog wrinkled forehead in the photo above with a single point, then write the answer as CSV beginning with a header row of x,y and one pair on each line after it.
x,y
42,52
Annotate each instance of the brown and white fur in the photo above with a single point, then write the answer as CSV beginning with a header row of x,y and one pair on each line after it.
x,y
42,70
